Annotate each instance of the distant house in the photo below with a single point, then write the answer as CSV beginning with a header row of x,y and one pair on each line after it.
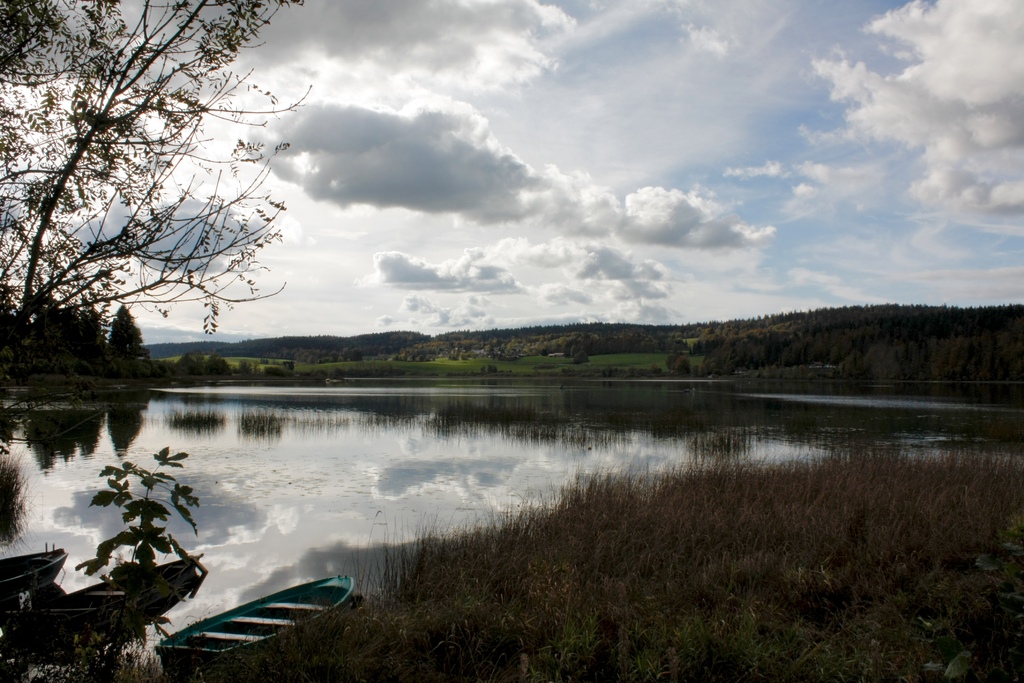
x,y
556,355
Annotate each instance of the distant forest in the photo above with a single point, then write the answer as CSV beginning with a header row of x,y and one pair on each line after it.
x,y
857,342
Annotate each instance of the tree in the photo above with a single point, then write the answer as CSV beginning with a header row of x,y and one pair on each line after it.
x,y
125,337
111,189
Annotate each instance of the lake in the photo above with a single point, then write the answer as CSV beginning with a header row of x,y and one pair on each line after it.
x,y
300,482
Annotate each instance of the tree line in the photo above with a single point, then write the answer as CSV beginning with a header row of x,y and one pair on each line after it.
x,y
874,342
899,342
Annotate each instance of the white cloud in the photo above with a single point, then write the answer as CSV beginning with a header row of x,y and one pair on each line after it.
x,y
694,219
832,283
965,191
831,185
985,285
590,271
706,39
469,273
770,169
439,156
470,312
632,280
433,156
481,45
644,312
958,99
804,191
292,232
561,294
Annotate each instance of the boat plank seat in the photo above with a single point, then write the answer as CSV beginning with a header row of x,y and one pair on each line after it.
x,y
263,621
105,592
220,635
295,606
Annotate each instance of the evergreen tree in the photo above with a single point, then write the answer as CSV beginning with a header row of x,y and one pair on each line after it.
x,y
125,336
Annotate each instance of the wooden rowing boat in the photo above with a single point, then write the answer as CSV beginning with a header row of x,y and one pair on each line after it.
x,y
98,605
59,617
255,621
24,576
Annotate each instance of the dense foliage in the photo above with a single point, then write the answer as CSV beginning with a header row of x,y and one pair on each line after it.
x,y
314,349
876,342
110,188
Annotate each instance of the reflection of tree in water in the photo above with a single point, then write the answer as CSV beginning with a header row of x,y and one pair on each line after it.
x,y
124,422
63,433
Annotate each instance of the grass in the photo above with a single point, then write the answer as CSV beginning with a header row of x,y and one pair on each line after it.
x,y
528,366
261,424
12,499
196,422
839,569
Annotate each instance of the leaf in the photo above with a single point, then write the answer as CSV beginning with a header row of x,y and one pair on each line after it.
x,y
1014,549
960,665
997,676
186,514
103,498
949,647
989,563
110,471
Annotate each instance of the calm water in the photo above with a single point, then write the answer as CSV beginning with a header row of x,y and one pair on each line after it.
x,y
301,482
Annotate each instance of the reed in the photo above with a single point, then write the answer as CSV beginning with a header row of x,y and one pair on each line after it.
x,y
196,422
12,499
813,570
261,424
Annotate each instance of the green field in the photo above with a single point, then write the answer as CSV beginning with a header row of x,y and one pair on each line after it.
x,y
611,364
530,365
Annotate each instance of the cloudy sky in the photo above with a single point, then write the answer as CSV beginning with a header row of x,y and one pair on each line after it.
x,y
468,164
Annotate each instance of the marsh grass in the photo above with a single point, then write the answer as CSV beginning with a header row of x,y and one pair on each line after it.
x,y
320,423
521,424
12,499
818,570
261,425
196,422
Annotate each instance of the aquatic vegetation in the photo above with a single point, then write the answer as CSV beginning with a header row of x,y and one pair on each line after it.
x,y
12,499
809,570
260,424
196,422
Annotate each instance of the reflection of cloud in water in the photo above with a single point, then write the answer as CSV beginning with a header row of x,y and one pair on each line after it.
x,y
364,563
468,476
221,518
414,445
884,402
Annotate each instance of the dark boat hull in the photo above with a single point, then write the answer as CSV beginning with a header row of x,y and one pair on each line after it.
x,y
98,605
25,576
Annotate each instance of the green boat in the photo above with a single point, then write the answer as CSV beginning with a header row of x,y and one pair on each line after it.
x,y
255,621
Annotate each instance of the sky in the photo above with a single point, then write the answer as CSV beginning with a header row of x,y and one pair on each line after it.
x,y
474,164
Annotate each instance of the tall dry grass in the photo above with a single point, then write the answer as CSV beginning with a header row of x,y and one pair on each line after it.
x,y
802,571
12,499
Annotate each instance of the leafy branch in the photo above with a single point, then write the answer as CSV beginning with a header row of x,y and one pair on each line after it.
x,y
141,514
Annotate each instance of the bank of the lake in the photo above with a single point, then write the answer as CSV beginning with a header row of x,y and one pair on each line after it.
x,y
859,566
301,481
